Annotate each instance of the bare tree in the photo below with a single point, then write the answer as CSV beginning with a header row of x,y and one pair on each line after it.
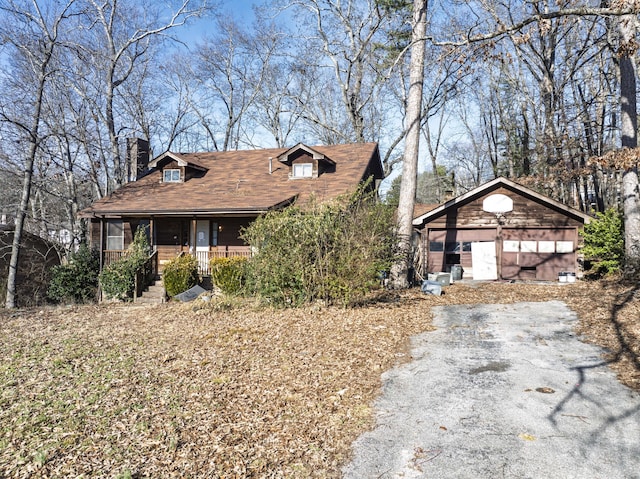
x,y
343,38
620,16
120,37
627,26
34,35
399,271
279,104
231,70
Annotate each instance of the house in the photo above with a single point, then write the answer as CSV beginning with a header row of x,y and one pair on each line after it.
x,y
198,203
501,230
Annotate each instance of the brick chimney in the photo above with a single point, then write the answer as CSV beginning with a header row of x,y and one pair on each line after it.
x,y
137,157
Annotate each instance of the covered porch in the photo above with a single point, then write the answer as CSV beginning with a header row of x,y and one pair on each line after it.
x,y
205,238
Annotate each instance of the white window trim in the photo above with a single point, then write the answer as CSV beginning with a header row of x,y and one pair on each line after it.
x,y
113,238
168,178
302,170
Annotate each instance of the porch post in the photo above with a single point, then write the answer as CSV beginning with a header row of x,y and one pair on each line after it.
x,y
152,233
192,237
499,248
101,242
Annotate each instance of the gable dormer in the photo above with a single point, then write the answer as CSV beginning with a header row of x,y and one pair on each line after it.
x,y
305,162
175,168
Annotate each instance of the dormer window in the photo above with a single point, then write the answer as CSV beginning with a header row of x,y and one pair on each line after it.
x,y
306,162
171,175
302,170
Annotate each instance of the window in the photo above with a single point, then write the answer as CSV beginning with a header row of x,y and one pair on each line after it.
x,y
302,170
171,175
564,246
436,246
115,235
452,247
457,247
511,246
546,246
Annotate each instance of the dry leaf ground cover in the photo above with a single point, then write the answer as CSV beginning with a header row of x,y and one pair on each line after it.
x,y
203,390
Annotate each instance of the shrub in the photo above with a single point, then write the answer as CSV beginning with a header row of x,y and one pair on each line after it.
x,y
76,281
180,274
119,278
604,244
228,274
331,251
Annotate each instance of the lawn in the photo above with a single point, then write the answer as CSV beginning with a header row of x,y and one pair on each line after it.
x,y
215,390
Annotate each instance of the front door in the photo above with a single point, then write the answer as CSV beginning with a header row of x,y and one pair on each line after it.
x,y
202,244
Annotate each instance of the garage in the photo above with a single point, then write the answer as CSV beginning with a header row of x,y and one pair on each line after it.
x,y
501,230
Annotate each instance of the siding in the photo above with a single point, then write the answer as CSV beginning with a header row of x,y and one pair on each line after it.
x,y
542,239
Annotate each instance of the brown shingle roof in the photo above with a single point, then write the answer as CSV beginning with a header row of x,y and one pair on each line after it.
x,y
237,182
421,208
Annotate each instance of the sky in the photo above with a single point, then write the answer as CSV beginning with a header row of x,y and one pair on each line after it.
x,y
239,6
242,11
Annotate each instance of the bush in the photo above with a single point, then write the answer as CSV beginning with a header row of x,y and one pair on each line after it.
x,y
228,274
119,278
76,281
180,274
331,251
604,244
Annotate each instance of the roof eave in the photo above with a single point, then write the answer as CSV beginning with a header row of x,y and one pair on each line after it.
x,y
422,219
178,158
259,210
315,154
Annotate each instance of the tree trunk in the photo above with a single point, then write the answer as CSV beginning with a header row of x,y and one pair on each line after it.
x,y
629,130
26,189
400,270
118,169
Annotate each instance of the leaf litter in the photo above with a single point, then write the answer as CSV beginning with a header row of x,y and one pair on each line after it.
x,y
211,390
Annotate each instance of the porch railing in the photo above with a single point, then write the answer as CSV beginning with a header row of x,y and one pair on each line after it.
x,y
204,257
112,255
145,275
230,251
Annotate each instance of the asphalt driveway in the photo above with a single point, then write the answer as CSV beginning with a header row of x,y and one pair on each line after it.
x,y
502,391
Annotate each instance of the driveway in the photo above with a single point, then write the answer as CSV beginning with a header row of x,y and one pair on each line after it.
x,y
502,391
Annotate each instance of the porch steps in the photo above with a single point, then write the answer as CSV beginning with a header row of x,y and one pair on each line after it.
x,y
154,294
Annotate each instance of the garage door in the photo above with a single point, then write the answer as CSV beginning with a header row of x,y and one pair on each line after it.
x,y
537,253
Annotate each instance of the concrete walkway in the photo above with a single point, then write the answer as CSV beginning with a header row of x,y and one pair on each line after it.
x,y
502,391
